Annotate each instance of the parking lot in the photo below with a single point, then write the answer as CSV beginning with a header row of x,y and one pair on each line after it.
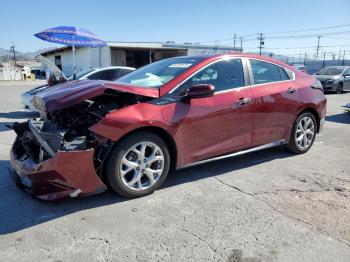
x,y
265,206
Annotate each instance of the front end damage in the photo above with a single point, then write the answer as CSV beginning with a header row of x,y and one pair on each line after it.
x,y
57,156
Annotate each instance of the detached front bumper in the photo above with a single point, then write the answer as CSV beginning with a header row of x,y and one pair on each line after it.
x,y
66,174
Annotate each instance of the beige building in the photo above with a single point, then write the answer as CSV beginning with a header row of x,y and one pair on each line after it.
x,y
133,54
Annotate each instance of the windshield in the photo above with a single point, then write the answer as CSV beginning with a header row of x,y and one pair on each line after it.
x,y
159,73
81,74
330,71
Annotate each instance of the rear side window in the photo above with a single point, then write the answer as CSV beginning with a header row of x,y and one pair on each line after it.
x,y
264,72
108,75
96,76
123,72
223,75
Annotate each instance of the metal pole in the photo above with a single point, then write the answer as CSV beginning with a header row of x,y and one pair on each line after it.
x,y
324,59
234,40
305,58
241,38
14,52
318,45
261,43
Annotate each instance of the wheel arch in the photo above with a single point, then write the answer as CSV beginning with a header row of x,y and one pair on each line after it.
x,y
315,114
162,133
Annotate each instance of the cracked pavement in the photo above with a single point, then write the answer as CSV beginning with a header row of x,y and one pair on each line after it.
x,y
264,206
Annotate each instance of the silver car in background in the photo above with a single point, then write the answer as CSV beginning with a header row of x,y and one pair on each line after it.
x,y
107,73
335,78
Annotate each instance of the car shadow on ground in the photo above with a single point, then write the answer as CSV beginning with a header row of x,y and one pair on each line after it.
x,y
18,114
343,118
19,211
4,126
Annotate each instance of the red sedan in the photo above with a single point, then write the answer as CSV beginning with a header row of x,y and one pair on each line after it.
x,y
167,115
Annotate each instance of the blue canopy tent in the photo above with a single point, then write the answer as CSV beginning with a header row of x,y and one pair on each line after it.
x,y
71,36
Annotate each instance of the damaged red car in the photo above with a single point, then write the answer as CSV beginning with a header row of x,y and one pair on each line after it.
x,y
168,115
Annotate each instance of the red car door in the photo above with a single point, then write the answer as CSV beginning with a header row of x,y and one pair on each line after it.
x,y
275,102
216,125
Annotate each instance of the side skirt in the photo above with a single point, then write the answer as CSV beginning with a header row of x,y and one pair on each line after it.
x,y
273,144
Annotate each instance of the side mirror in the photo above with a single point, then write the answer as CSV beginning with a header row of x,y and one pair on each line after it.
x,y
200,91
346,75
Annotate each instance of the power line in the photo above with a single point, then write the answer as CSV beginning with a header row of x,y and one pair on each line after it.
x,y
303,47
311,29
310,35
285,32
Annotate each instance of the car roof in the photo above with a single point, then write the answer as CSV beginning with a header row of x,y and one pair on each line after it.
x,y
112,67
213,57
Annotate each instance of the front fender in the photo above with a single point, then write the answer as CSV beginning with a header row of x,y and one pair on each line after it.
x,y
123,121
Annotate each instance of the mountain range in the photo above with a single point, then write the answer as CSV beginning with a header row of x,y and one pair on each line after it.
x,y
5,53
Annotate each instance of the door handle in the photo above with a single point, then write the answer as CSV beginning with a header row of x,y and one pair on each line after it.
x,y
243,101
291,90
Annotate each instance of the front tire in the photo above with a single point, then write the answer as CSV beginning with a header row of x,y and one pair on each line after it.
x,y
138,165
303,133
339,89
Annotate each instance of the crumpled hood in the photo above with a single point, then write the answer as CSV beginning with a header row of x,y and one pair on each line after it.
x,y
70,93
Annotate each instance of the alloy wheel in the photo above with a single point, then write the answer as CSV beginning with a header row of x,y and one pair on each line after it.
x,y
305,133
142,165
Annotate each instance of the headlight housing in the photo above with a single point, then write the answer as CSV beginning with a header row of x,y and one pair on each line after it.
x,y
38,103
317,85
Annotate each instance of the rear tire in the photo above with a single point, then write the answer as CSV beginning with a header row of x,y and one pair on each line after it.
x,y
138,165
303,133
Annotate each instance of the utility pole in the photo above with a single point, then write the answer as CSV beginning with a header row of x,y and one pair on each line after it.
x,y
234,40
241,39
13,50
324,59
261,42
343,58
305,58
318,46
339,54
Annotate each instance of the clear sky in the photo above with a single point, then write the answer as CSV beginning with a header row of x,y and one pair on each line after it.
x,y
180,21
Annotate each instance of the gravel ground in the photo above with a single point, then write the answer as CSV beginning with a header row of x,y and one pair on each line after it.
x,y
265,206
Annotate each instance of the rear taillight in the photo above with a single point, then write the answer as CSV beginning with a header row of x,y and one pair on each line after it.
x,y
317,85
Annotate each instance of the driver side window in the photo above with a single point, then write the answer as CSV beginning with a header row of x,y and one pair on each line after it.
x,y
223,75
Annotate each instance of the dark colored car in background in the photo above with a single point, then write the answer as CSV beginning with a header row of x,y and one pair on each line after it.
x,y
335,78
167,115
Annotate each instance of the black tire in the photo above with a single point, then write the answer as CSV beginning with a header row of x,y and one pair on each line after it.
x,y
292,145
113,173
339,89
